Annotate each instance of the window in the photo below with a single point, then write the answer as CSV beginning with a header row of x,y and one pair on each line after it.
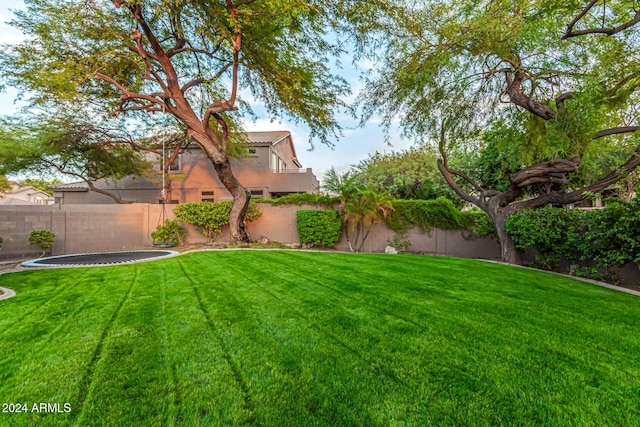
x,y
169,202
257,194
252,152
38,200
207,196
174,166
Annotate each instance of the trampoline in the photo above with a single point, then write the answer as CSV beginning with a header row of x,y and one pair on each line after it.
x,y
98,258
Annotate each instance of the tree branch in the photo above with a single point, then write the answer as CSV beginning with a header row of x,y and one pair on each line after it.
x,y
565,198
540,172
602,30
514,85
88,181
616,131
446,172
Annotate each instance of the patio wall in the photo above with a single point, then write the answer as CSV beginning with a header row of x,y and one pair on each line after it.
x,y
95,228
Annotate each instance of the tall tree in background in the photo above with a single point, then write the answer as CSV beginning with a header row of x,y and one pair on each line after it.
x,y
550,84
189,59
408,174
72,146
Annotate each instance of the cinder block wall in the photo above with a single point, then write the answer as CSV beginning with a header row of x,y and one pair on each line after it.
x,y
95,228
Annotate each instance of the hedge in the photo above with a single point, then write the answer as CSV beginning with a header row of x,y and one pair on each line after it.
x,y
607,237
321,228
210,217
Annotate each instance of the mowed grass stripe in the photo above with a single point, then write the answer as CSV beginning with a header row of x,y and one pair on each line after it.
x,y
466,333
269,344
46,357
217,336
94,381
325,339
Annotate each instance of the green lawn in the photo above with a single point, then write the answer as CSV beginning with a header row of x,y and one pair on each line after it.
x,y
285,338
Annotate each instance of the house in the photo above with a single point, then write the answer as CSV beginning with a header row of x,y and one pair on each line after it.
x,y
25,195
269,169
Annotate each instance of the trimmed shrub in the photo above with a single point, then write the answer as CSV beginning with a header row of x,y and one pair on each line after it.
x,y
171,233
210,217
319,228
550,231
44,239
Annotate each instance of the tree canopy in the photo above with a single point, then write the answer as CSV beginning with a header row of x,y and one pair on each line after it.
x,y
408,174
546,86
72,146
197,61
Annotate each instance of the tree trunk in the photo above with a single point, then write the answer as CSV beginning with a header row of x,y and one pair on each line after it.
x,y
508,251
241,198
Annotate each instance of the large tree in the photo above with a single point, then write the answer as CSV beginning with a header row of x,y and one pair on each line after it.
x,y
189,59
548,83
71,146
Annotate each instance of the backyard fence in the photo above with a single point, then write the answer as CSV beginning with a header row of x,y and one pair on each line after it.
x,y
95,228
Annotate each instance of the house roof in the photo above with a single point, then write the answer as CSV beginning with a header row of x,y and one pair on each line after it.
x,y
11,201
29,190
72,186
273,138
268,137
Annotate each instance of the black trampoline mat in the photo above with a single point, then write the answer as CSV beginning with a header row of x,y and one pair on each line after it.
x,y
102,258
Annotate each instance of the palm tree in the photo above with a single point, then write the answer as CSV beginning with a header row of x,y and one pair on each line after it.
x,y
345,186
361,211
359,207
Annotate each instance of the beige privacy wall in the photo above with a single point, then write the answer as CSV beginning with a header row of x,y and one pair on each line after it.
x,y
95,228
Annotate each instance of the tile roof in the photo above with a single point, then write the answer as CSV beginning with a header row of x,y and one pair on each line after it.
x,y
12,201
270,137
80,185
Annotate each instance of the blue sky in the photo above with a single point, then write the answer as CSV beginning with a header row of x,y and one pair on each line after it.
x,y
354,146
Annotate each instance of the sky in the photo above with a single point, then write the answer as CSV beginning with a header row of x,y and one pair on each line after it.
x,y
355,144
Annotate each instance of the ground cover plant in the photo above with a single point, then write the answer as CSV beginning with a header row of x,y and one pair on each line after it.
x,y
297,338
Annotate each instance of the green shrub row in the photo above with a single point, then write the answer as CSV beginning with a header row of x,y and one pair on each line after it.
x,y
301,199
608,237
210,217
439,213
321,228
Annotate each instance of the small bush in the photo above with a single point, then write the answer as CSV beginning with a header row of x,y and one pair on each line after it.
x,y
320,228
171,233
44,239
0,242
209,218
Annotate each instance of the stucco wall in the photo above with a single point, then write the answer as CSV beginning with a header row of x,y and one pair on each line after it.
x,y
90,228
95,228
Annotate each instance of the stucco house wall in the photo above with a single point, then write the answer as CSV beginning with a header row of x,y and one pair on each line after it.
x,y
195,180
